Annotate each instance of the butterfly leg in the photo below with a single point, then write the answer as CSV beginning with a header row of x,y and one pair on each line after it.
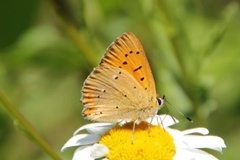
x,y
160,124
133,130
149,125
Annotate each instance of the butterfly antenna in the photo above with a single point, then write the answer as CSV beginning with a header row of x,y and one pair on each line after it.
x,y
167,111
189,119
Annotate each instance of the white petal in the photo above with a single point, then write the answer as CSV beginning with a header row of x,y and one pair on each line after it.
x,y
122,122
95,128
203,131
175,133
99,151
192,154
211,142
83,153
81,139
168,120
164,119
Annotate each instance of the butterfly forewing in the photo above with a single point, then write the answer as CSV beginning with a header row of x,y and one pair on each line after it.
x,y
127,52
122,86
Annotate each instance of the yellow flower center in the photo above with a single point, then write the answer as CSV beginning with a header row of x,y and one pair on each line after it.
x,y
150,143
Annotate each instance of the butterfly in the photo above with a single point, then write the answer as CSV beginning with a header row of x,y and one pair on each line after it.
x,y
122,86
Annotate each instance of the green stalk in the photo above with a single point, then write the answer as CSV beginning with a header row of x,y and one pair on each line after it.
x,y
26,127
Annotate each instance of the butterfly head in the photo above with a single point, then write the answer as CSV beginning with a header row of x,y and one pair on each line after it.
x,y
160,101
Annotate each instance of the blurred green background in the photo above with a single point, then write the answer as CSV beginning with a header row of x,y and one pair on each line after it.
x,y
47,49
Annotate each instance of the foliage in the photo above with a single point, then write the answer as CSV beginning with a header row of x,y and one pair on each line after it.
x,y
47,49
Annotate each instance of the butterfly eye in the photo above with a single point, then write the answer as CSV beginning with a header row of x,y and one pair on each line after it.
x,y
160,100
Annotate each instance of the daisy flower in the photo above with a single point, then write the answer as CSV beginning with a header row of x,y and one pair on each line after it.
x,y
151,142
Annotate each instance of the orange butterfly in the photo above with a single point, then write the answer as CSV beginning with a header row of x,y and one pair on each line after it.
x,y
122,86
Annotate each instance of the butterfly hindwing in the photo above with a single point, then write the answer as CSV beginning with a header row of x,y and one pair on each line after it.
x,y
106,96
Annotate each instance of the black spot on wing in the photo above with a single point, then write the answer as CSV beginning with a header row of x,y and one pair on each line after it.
x,y
136,69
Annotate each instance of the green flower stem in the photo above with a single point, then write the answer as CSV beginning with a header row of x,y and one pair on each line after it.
x,y
26,126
